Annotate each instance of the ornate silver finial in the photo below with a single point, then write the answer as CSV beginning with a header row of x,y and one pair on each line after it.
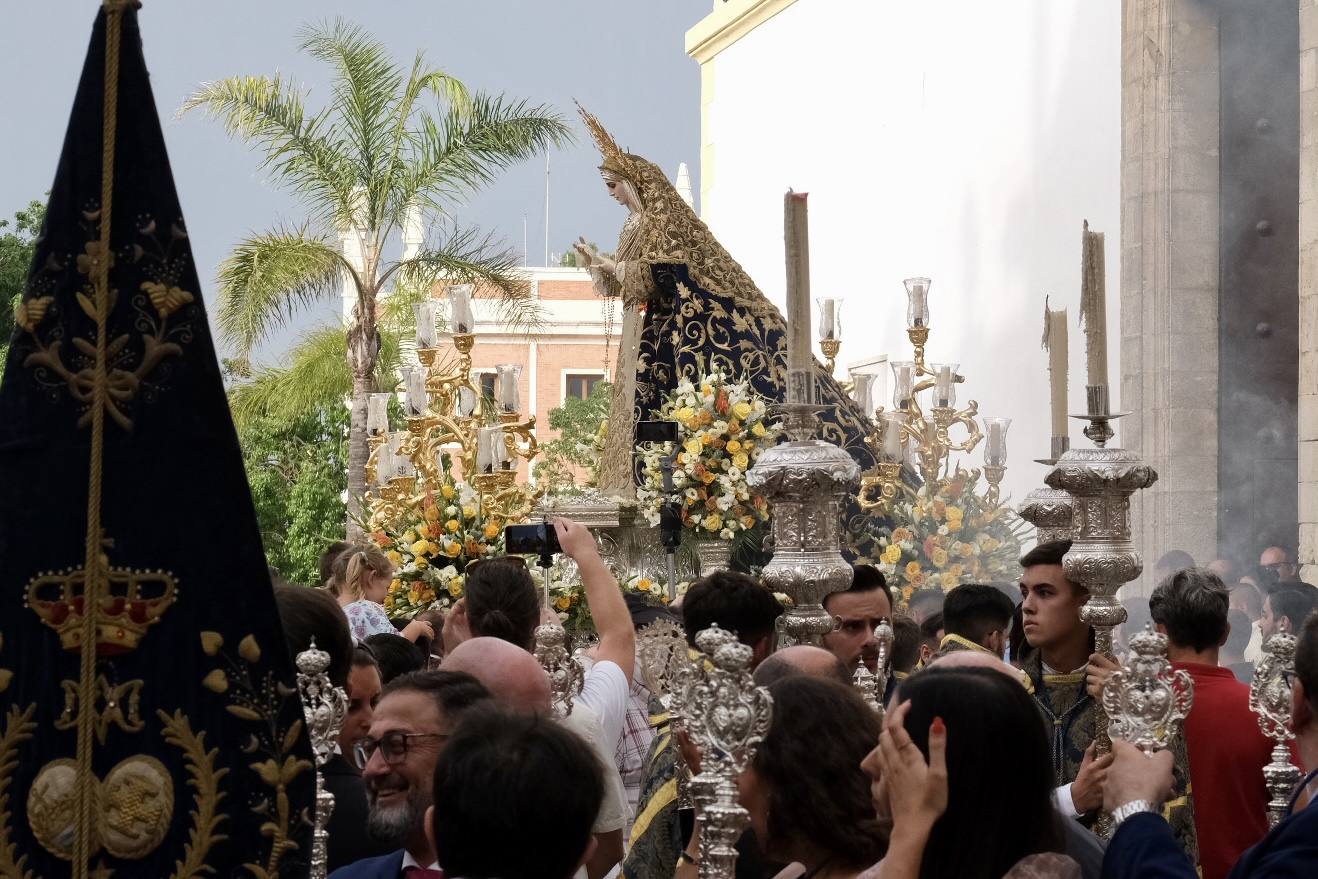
x,y
324,706
565,676
1270,699
1146,701
1050,511
728,717
864,681
661,650
883,636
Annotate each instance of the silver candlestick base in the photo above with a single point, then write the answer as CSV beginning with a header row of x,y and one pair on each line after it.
x,y
1270,699
807,482
1050,511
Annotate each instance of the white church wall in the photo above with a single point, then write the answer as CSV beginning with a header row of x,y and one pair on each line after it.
x,y
950,138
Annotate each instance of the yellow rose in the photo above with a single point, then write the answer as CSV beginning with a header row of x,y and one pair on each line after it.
x,y
955,512
953,526
448,491
420,548
414,593
758,429
395,585
912,569
452,526
432,513
453,550
950,581
562,602
421,563
706,439
893,554
741,461
956,571
469,512
939,557
685,414
708,477
966,550
455,587
713,522
692,446
491,531
742,410
706,390
643,585
394,557
748,521
409,537
733,447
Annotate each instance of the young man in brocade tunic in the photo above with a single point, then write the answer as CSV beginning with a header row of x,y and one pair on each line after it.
x,y
1057,662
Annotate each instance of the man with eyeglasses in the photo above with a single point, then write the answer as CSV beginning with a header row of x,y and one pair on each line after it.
x,y
1277,565
414,718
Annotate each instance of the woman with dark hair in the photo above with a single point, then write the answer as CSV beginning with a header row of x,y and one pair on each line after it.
x,y
808,805
963,771
500,601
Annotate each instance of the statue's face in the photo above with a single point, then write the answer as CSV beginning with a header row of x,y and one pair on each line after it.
x,y
622,193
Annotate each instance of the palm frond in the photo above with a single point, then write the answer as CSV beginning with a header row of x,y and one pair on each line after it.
x,y
459,152
268,277
300,150
317,375
468,256
366,90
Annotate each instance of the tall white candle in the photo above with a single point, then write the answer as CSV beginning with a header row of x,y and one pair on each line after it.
x,y
377,414
796,234
1093,306
1055,343
415,382
827,318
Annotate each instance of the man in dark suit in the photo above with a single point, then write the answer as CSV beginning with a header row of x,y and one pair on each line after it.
x,y
1143,845
414,719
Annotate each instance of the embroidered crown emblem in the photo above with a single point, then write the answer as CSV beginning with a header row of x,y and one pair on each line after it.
x,y
132,602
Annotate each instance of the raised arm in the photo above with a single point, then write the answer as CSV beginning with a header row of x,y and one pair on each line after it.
x,y
612,619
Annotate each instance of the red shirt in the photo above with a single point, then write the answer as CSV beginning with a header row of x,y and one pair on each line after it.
x,y
1227,754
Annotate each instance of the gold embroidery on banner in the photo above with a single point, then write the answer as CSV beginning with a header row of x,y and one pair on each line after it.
x,y
137,799
133,601
262,702
6,675
133,358
204,778
51,809
116,705
19,727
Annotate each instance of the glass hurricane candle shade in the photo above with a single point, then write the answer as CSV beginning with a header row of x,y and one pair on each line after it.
x,y
508,374
377,414
384,464
467,402
917,302
402,463
426,336
499,457
945,384
894,439
485,449
862,391
903,379
414,381
461,319
830,318
995,445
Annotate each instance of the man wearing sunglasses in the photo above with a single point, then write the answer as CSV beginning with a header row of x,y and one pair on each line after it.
x,y
414,718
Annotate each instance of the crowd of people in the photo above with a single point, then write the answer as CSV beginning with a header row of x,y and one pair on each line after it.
x,y
453,763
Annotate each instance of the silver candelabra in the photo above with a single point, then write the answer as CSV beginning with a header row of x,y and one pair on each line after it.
x,y
324,707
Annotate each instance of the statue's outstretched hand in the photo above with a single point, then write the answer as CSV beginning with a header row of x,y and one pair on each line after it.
x,y
587,252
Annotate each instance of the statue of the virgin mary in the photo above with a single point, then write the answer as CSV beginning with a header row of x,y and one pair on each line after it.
x,y
689,309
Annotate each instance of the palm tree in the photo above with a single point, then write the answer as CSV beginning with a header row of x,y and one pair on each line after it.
x,y
390,141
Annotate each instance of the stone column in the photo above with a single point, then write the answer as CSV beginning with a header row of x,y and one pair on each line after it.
x,y
1169,271
1308,399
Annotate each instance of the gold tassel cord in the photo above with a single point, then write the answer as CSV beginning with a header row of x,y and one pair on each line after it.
x,y
95,568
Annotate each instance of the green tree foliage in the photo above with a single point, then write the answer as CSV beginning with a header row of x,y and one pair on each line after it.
x,y
16,249
579,443
297,469
394,145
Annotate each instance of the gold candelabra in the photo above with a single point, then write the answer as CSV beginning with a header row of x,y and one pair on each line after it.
x,y
449,420
908,434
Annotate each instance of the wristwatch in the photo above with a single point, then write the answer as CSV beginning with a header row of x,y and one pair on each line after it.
x,y
1125,810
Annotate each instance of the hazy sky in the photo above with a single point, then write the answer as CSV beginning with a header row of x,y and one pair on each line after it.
x,y
623,59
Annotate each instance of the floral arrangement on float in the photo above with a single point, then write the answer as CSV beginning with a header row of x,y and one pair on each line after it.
x,y
722,427
567,597
433,545
940,537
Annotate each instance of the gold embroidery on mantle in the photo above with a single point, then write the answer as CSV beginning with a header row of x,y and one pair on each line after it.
x,y
132,602
6,675
132,358
262,701
116,704
205,779
19,727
